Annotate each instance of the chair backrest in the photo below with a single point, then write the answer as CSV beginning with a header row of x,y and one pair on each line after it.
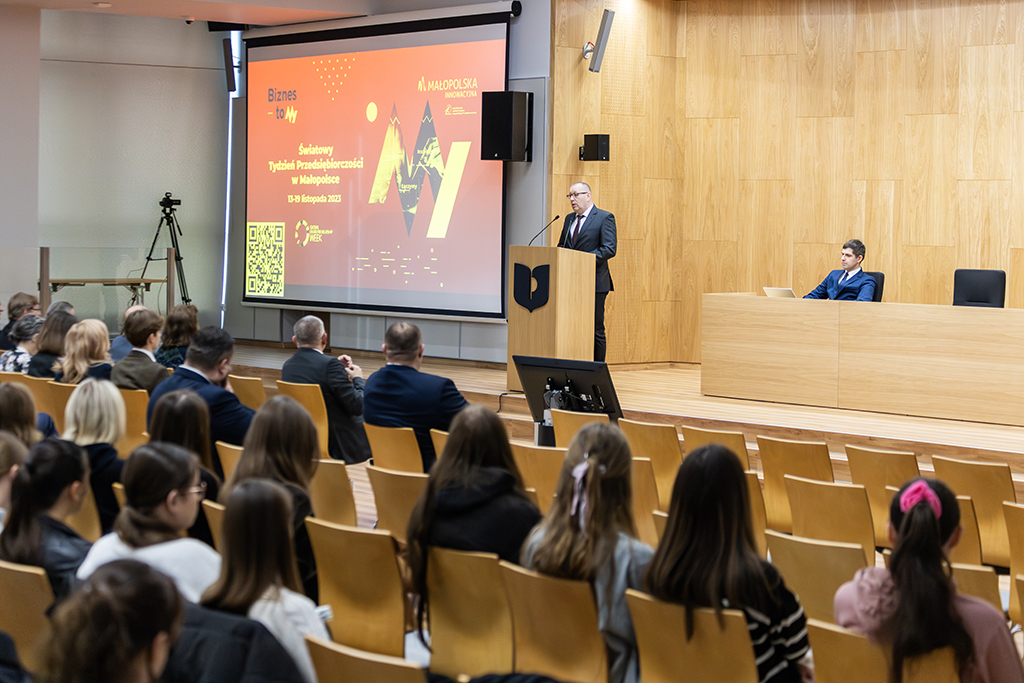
x,y
988,484
40,393
717,651
330,493
120,495
879,283
312,399
1017,580
229,455
645,500
470,620
334,662
660,522
540,468
1014,515
439,438
358,574
938,666
215,518
815,570
249,390
555,627
832,512
659,443
25,595
86,522
779,457
694,438
968,550
135,403
13,377
55,398
567,422
978,581
874,470
842,656
395,494
985,288
395,448
757,513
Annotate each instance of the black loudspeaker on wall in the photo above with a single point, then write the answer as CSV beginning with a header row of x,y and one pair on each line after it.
x,y
595,147
506,126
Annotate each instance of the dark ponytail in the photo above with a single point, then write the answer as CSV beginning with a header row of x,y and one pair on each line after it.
x,y
925,618
52,465
151,472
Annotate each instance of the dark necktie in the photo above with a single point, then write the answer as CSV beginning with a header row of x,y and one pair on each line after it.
x,y
576,230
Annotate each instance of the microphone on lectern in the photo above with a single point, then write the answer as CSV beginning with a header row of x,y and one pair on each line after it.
x,y
542,230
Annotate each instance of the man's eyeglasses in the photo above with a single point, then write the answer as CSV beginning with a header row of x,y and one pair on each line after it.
x,y
199,490
573,195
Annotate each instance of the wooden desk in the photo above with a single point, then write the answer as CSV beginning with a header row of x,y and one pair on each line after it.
x,y
137,286
933,361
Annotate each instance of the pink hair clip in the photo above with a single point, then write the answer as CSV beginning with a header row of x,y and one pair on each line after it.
x,y
917,492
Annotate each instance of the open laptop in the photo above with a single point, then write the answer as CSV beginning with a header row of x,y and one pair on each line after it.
x,y
779,292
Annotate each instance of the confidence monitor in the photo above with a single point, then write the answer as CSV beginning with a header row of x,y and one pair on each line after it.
x,y
578,385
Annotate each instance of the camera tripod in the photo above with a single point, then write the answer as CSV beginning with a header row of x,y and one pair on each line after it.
x,y
174,229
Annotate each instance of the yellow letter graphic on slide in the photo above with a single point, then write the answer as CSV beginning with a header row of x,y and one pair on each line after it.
x,y
444,204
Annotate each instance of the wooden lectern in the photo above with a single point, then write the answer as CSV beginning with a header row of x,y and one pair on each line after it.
x,y
563,327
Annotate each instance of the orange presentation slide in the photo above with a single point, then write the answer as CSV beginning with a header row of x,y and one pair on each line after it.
x,y
365,185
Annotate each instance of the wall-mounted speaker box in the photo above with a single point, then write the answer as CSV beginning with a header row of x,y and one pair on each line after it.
x,y
506,126
595,148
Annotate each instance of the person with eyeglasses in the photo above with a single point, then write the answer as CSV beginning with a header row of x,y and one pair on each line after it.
x,y
19,305
163,492
591,229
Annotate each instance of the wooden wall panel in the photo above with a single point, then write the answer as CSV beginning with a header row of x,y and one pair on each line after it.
x,y
878,223
931,180
987,22
666,28
1015,280
825,40
711,188
983,225
622,71
767,122
812,262
666,81
769,27
824,175
659,224
879,116
985,130
712,58
926,276
933,56
767,210
575,110
625,171
881,25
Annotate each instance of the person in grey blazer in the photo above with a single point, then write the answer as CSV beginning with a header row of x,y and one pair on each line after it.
x,y
139,369
341,382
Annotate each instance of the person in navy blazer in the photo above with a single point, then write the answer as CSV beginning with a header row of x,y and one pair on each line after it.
x,y
850,283
596,234
399,395
205,371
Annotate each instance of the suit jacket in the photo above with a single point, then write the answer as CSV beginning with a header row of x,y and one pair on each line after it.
x,y
342,396
137,371
860,287
597,235
402,396
119,347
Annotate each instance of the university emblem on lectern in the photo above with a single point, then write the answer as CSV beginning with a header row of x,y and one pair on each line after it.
x,y
522,285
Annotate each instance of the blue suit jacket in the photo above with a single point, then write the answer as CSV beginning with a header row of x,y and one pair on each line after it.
x,y
402,396
598,236
861,287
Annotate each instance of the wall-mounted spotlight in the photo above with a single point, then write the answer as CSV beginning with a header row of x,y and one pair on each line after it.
x,y
597,51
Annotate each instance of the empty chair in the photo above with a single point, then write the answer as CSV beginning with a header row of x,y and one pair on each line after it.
x,y
229,455
249,390
310,397
567,422
439,438
554,624
470,619
735,441
359,578
879,283
540,467
718,650
968,550
119,493
135,403
979,582
645,501
780,457
814,570
86,522
215,517
757,513
983,288
832,512
1014,515
842,656
330,492
53,397
25,595
874,470
396,494
659,443
988,485
334,662
395,448
660,521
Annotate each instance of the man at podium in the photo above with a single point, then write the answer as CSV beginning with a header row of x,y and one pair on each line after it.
x,y
850,283
592,230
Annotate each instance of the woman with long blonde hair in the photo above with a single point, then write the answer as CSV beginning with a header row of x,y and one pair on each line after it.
x,y
86,353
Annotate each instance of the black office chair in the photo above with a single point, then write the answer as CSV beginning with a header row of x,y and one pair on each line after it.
x,y
986,288
879,283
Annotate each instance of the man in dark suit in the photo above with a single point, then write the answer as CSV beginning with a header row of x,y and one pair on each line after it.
x,y
590,229
119,345
399,395
139,369
341,382
205,371
850,283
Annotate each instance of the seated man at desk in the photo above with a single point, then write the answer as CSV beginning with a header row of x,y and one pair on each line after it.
x,y
850,283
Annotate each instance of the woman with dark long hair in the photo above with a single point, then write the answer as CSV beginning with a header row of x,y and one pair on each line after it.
x,y
707,558
50,344
913,606
180,324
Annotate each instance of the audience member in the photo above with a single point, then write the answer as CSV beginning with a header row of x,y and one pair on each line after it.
x,y
589,534
399,395
258,575
163,492
18,413
182,418
179,327
118,628
62,306
18,305
12,456
282,446
49,488
95,420
139,369
86,353
23,335
473,501
913,606
707,559
341,382
50,344
205,371
120,346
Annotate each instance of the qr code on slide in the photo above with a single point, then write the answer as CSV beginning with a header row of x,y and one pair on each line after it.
x,y
264,259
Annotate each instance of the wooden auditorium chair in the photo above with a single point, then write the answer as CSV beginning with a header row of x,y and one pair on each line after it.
x,y
311,398
86,522
229,455
540,468
249,390
395,448
54,395
874,470
439,438
135,403
336,663
120,495
25,595
757,512
395,494
780,457
694,438
567,422
1014,514
645,500
330,493
660,522
659,443
842,656
978,581
832,512
814,570
988,484
215,518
